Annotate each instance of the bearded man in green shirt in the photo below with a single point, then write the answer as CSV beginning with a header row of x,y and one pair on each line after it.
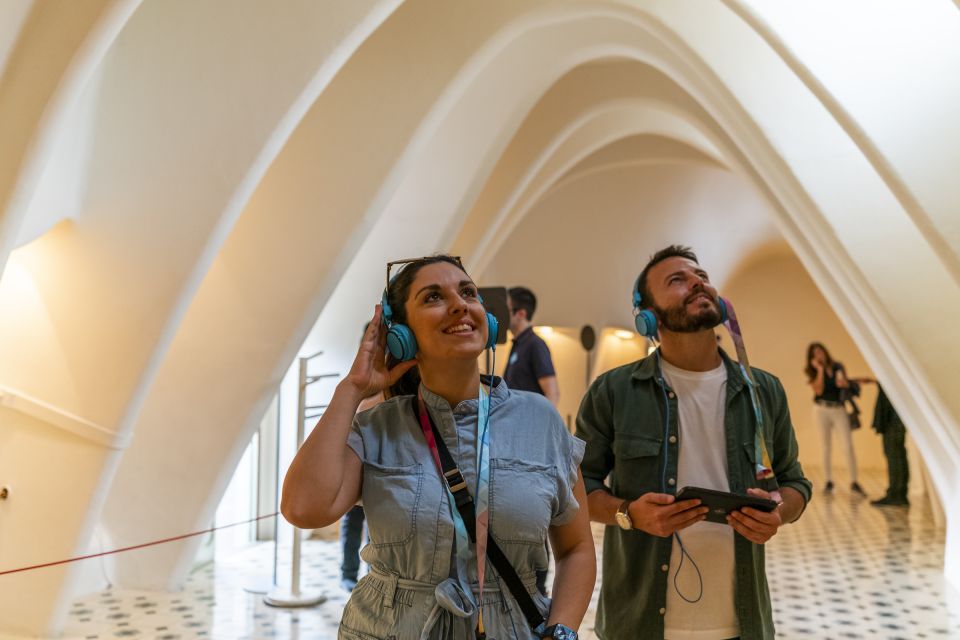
x,y
683,416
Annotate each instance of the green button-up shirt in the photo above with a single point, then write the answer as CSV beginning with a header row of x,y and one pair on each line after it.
x,y
622,421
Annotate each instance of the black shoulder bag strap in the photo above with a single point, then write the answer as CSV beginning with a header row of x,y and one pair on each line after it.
x,y
464,502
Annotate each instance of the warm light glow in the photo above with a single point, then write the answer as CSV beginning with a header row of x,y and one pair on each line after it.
x,y
651,348
623,334
544,332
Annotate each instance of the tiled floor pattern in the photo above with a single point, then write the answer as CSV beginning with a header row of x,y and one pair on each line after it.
x,y
846,570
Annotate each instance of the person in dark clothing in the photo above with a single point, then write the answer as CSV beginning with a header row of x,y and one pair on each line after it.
x,y
351,532
529,367
888,424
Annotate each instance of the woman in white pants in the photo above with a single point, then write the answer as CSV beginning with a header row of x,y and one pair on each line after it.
x,y
827,379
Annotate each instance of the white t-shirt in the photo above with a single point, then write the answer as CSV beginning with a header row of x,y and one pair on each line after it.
x,y
701,398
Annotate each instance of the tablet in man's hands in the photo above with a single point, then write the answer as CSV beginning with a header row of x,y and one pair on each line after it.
x,y
721,503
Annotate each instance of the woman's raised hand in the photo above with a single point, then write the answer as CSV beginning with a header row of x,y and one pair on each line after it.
x,y
369,373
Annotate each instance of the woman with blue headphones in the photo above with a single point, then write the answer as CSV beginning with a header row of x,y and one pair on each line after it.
x,y
461,482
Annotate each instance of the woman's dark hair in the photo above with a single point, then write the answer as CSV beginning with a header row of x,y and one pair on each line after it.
x,y
397,294
809,369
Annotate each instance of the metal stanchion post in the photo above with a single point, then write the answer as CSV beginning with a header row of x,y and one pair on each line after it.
x,y
294,597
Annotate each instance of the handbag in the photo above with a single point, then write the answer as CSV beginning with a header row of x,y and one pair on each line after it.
x,y
853,411
854,417
464,502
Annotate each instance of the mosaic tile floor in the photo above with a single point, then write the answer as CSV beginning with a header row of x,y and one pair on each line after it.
x,y
846,570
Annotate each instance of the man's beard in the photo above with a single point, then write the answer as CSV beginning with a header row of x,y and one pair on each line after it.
x,y
678,320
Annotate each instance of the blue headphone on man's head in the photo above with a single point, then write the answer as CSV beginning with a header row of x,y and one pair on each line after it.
x,y
645,320
401,342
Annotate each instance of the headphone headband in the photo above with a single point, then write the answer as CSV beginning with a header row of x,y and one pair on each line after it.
x,y
636,298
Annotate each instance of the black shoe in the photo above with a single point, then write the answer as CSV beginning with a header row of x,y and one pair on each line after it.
x,y
856,488
889,501
828,489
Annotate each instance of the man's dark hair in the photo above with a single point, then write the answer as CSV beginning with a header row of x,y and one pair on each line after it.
x,y
673,251
523,298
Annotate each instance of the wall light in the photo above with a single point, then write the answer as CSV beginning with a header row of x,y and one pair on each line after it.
x,y
623,334
544,331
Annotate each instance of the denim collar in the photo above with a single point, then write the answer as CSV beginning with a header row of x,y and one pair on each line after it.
x,y
500,393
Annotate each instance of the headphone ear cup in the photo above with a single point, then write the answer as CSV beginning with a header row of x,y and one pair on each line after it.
x,y
493,330
723,310
401,342
646,323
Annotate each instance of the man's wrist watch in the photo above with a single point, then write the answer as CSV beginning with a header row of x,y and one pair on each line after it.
x,y
623,515
559,632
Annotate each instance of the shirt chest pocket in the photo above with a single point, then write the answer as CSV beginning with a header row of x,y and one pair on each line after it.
x,y
523,497
636,464
749,466
391,498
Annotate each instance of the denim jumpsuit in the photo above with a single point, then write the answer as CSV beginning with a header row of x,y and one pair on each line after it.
x,y
412,590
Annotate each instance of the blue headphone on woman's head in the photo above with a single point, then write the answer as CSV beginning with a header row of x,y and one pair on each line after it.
x,y
645,320
401,342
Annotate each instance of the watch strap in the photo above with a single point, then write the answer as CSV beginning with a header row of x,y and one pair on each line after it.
x,y
624,511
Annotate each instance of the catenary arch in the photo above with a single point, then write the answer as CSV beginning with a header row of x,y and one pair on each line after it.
x,y
50,59
108,290
883,343
680,63
603,127
635,150
296,224
810,209
516,205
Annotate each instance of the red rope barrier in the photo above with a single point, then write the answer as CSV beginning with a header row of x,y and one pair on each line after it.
x,y
137,546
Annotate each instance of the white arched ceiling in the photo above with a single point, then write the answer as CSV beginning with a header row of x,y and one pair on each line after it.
x,y
582,244
13,15
390,160
321,198
605,125
638,149
897,64
837,210
844,224
422,187
48,53
588,107
94,304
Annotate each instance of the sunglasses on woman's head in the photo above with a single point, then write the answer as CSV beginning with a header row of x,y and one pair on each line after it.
x,y
411,260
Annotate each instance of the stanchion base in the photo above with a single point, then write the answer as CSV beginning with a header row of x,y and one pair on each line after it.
x,y
260,585
287,599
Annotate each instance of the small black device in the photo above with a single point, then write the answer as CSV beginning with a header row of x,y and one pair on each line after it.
x,y
495,302
721,503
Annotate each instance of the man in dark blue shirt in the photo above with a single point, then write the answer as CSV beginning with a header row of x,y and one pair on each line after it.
x,y
530,367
